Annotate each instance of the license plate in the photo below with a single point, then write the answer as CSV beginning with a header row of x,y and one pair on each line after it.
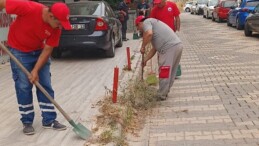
x,y
78,26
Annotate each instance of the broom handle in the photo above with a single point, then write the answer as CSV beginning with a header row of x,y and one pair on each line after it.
x,y
37,84
142,66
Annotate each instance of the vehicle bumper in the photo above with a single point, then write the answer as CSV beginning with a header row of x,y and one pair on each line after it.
x,y
98,40
210,13
200,11
223,16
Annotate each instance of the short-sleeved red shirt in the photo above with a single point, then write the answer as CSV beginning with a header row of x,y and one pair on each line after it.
x,y
29,32
166,14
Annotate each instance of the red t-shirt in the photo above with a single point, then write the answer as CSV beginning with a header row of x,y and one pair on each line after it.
x,y
166,14
29,32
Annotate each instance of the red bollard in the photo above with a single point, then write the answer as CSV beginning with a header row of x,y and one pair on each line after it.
x,y
128,57
115,84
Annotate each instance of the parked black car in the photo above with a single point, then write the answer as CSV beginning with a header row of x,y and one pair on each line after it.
x,y
95,26
252,22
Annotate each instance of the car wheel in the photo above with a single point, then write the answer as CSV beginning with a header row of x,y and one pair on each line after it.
x,y
187,10
56,53
111,52
120,43
228,23
204,16
219,20
212,18
247,31
238,26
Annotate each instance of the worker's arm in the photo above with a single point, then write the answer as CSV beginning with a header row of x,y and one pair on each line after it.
x,y
147,36
2,4
177,23
44,56
150,54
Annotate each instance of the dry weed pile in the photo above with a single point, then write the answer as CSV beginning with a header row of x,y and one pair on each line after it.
x,y
125,116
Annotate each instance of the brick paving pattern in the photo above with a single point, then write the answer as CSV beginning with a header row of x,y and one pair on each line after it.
x,y
215,101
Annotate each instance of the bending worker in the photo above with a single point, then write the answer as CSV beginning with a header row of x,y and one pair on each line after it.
x,y
169,48
31,39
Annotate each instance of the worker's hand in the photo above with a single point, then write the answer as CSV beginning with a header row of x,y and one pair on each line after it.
x,y
144,63
34,76
124,13
142,50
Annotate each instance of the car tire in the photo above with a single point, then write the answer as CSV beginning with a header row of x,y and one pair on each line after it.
x,y
238,26
219,20
111,52
187,10
228,23
120,43
56,53
247,31
207,15
204,16
212,18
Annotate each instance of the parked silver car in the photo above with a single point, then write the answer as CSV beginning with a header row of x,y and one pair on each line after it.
x,y
187,6
208,8
193,7
199,6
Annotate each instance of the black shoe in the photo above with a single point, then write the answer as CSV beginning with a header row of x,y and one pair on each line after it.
x,y
126,39
55,125
28,129
160,97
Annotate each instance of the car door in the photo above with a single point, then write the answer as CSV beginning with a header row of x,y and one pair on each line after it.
x,y
217,9
233,13
254,20
113,22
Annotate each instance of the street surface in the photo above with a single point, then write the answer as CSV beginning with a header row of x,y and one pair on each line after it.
x,y
216,100
79,81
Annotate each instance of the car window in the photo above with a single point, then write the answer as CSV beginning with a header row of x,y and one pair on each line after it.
x,y
256,10
85,9
202,1
109,11
228,4
252,3
213,2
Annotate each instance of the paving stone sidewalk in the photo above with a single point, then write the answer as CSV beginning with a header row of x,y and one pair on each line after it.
x,y
215,101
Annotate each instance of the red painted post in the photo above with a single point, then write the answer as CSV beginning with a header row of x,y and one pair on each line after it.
x,y
115,84
128,57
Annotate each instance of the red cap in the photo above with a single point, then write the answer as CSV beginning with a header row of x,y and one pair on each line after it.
x,y
61,12
157,1
138,19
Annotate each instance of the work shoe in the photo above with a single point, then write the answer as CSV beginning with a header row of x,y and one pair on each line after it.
x,y
28,129
160,97
125,39
55,125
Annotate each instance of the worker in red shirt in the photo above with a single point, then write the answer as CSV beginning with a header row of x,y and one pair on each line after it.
x,y
166,12
31,39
